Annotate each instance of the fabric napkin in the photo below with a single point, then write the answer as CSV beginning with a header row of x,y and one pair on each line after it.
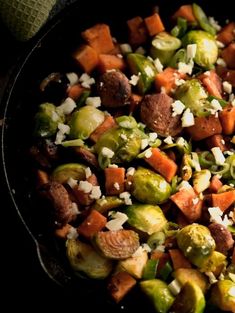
x,y
24,18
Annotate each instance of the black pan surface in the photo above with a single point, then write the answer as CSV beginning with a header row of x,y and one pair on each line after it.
x,y
47,53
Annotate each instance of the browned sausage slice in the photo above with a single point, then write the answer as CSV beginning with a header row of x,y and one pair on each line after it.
x,y
114,89
156,113
223,238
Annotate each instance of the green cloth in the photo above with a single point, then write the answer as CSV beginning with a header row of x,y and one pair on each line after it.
x,y
25,17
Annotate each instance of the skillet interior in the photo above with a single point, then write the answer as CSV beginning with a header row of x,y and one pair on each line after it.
x,y
49,53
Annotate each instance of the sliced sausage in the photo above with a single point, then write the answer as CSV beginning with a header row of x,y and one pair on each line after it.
x,y
87,156
63,206
216,141
223,238
156,113
114,89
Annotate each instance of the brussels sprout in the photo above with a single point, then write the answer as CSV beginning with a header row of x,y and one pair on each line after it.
x,y
202,19
223,295
158,293
213,263
134,265
230,173
179,56
194,97
84,121
184,275
63,172
164,46
149,187
144,68
125,143
201,180
207,50
117,245
47,120
156,239
108,203
185,168
146,217
125,121
190,299
196,243
83,258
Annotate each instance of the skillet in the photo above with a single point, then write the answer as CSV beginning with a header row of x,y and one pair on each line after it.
x,y
48,52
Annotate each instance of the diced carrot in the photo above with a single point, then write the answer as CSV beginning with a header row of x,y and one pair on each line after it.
x,y
227,119
212,82
75,91
162,164
116,50
227,35
167,78
134,102
215,184
86,57
99,38
185,11
42,178
178,259
161,256
154,24
94,222
114,180
120,284
188,202
137,31
233,256
204,127
63,232
110,62
228,54
216,141
223,200
108,123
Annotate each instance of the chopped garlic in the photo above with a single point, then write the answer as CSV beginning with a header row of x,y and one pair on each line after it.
x,y
186,68
130,171
73,78
220,44
66,107
221,62
174,287
134,80
191,51
227,87
86,80
125,48
88,172
148,153
152,137
95,192
93,101
113,165
149,71
177,107
116,186
158,65
72,182
168,140
144,143
72,233
231,292
126,196
85,186
106,152
214,23
187,118
118,219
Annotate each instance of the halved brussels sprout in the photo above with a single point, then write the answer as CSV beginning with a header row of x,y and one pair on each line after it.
x,y
63,172
47,120
179,56
194,97
83,258
196,242
201,180
184,275
190,299
149,187
124,142
158,293
164,46
146,217
84,121
214,262
223,295
140,65
108,203
207,49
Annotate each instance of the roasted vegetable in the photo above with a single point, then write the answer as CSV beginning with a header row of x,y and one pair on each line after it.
x,y
62,173
164,46
83,258
179,56
223,295
158,293
144,68
190,299
47,120
203,20
201,180
207,50
120,244
184,275
196,243
146,217
84,121
149,187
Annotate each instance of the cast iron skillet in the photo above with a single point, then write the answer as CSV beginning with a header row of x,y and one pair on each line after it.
x,y
49,52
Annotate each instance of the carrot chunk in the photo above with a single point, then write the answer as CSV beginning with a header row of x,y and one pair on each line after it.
x,y
162,164
63,232
212,83
223,200
86,58
110,62
114,180
226,35
228,54
99,38
137,31
94,222
227,119
215,184
178,259
185,11
120,284
75,91
167,79
154,24
108,123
